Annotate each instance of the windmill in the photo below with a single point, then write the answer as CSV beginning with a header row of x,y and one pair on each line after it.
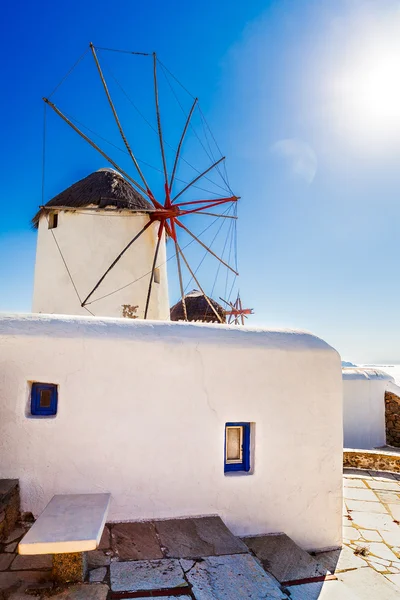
x,y
169,211
236,313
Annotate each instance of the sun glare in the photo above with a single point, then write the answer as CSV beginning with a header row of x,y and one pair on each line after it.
x,y
365,87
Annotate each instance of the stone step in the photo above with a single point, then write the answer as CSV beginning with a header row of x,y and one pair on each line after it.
x,y
284,559
9,506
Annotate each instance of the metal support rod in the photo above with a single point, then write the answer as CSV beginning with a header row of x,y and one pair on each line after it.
x,y
96,147
205,247
118,122
181,142
178,261
116,260
160,136
216,215
160,231
213,203
221,200
198,177
197,282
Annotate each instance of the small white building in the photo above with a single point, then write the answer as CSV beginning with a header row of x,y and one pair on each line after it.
x,y
80,234
364,407
176,419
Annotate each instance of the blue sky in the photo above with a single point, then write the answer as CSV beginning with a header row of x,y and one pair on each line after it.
x,y
303,98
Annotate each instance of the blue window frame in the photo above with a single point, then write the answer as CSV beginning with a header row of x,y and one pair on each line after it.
x,y
237,447
44,399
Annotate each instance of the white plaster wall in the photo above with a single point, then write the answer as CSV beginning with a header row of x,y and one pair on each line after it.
x,y
364,408
90,241
142,411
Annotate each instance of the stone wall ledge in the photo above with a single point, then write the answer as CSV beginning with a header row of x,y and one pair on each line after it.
x,y
381,459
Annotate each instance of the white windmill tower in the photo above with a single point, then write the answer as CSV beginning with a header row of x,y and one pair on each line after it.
x,y
86,258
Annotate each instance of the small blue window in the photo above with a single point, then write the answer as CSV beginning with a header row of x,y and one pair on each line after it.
x,y
44,399
237,447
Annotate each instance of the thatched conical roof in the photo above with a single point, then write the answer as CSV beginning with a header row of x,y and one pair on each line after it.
x,y
197,309
102,188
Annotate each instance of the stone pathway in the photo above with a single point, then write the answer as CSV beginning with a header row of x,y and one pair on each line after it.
x,y
371,520
200,559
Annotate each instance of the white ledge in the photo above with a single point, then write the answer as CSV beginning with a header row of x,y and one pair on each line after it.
x,y
69,523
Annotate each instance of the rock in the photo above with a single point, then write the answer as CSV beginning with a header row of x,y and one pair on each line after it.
x,y
97,575
97,558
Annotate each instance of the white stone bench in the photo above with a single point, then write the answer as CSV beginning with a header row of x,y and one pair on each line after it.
x,y
70,524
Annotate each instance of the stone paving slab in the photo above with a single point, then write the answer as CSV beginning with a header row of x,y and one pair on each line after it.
x,y
10,579
83,591
283,558
356,493
192,538
136,541
360,505
366,584
146,575
328,590
40,561
105,540
340,560
16,533
5,561
235,577
384,485
379,522
97,575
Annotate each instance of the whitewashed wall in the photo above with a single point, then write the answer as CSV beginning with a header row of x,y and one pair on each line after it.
x,y
142,410
364,407
89,242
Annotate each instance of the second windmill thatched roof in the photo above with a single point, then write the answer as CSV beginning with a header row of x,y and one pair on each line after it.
x,y
197,309
102,188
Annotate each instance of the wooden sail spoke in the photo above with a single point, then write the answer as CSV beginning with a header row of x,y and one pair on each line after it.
x,y
160,135
205,247
153,268
213,203
197,282
120,255
99,150
178,262
216,200
180,143
216,215
197,178
118,122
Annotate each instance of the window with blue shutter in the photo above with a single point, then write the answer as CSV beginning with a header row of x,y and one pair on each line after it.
x,y
237,447
44,398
